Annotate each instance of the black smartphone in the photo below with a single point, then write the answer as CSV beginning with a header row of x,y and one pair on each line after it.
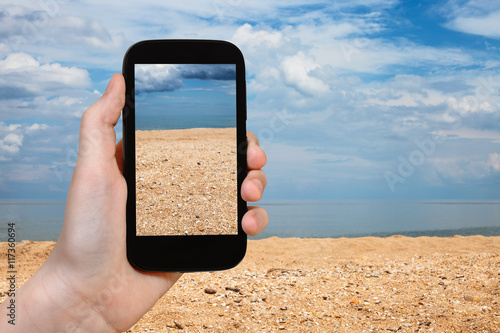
x,y
184,155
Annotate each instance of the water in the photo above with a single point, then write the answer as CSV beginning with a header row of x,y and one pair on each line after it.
x,y
37,221
307,218
148,123
339,218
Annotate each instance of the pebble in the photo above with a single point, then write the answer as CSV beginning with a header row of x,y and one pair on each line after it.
x,y
394,296
210,291
394,329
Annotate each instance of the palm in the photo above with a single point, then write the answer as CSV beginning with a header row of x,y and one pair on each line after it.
x,y
96,262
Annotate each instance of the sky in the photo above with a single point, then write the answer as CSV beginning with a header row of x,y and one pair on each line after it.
x,y
363,99
174,96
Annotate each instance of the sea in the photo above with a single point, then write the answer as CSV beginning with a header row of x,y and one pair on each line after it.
x,y
148,123
42,221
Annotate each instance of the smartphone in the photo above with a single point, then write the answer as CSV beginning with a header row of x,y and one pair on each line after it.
x,y
184,155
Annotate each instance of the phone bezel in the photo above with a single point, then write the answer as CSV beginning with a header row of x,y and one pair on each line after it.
x,y
182,253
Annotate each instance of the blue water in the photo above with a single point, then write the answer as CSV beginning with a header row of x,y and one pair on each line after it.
x,y
339,218
308,218
37,221
148,123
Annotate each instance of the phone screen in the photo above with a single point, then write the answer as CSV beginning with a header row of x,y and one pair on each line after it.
x,y
186,149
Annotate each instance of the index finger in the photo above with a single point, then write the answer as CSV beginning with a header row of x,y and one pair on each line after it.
x,y
256,158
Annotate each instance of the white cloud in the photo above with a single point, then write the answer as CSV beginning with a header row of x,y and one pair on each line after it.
x,y
17,62
168,77
299,167
297,73
406,91
30,173
76,30
457,170
25,23
493,162
470,133
375,55
11,144
11,127
463,169
469,104
156,77
36,127
8,128
251,38
477,17
485,26
23,76
29,143
13,138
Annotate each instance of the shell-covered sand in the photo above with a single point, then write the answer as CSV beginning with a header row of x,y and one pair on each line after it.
x,y
186,182
395,284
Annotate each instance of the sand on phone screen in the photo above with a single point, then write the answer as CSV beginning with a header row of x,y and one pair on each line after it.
x,y
186,182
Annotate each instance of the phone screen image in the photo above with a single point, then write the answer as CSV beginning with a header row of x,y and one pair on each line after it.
x,y
186,149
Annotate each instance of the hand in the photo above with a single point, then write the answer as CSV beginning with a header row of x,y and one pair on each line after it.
x,y
87,283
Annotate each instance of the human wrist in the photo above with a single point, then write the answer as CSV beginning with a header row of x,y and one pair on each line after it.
x,y
45,303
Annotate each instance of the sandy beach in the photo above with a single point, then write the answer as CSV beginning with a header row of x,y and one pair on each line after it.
x,y
395,284
186,182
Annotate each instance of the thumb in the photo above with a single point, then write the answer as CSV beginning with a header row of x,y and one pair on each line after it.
x,y
97,135
97,184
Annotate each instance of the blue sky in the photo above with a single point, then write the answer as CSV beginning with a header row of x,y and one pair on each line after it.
x,y
173,96
364,99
